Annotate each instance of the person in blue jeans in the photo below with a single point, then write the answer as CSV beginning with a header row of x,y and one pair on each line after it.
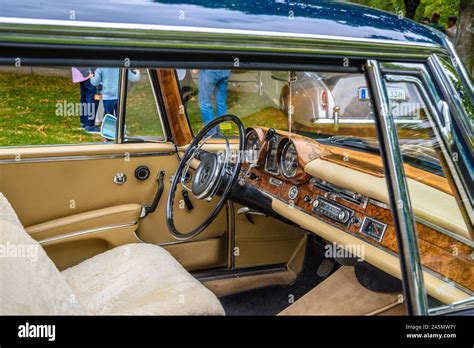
x,y
88,104
108,78
212,83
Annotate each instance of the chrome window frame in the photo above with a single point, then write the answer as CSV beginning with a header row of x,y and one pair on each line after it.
x,y
122,108
423,85
433,90
400,204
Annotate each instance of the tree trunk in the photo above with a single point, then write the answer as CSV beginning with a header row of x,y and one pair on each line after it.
x,y
410,8
464,38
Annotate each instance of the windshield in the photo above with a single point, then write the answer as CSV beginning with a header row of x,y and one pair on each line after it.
x,y
333,108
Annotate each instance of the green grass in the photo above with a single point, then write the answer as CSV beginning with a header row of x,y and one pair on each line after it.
x,y
142,116
29,103
28,106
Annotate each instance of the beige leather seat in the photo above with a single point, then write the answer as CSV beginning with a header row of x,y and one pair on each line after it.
x,y
131,279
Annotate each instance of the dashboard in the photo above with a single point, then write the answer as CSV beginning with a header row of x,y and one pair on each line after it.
x,y
277,168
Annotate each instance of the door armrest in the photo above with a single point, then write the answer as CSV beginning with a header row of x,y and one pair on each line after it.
x,y
117,216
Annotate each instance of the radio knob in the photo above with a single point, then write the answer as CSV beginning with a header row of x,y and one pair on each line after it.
x,y
307,199
316,203
343,216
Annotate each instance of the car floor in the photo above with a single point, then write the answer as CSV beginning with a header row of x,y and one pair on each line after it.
x,y
272,300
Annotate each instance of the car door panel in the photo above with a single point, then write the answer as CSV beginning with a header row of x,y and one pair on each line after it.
x,y
44,184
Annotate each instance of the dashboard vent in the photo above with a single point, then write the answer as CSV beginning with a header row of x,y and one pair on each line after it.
x,y
323,186
356,199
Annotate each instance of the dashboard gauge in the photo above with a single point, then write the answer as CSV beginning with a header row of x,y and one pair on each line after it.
x,y
289,160
252,147
373,228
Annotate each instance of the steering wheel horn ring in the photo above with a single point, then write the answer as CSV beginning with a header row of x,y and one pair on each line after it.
x,y
214,175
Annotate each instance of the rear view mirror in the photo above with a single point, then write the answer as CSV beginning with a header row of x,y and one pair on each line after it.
x,y
108,130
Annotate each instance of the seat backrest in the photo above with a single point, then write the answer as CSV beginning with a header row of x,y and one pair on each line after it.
x,y
30,283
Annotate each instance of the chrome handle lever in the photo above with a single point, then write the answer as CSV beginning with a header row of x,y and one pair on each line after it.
x,y
247,210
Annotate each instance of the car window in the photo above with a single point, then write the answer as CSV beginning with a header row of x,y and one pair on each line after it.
x,y
331,107
53,105
142,119
40,106
251,95
441,217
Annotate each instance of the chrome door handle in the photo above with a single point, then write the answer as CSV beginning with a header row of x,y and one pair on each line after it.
x,y
120,178
247,210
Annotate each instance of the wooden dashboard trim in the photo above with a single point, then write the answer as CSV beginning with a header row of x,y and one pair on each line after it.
x,y
381,259
427,202
440,253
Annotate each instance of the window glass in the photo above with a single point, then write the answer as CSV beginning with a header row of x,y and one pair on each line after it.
x,y
329,107
142,119
47,106
443,230
254,96
42,106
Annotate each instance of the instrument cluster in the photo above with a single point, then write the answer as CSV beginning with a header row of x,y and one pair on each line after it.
x,y
281,156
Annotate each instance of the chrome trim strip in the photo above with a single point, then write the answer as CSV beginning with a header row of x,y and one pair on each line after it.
x,y
404,222
191,29
225,273
467,303
157,104
121,111
90,231
81,157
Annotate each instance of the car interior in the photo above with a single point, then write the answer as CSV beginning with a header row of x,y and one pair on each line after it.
x,y
278,207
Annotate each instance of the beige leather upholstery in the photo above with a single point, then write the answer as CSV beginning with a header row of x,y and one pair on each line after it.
x,y
131,279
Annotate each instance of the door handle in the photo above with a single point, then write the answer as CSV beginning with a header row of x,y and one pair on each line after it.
x,y
247,210
147,209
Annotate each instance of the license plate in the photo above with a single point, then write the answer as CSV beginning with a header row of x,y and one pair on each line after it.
x,y
396,94
393,93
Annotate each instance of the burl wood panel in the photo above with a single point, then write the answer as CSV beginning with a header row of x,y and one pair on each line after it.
x,y
175,111
439,252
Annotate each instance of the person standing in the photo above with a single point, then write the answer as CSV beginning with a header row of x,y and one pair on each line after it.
x,y
212,83
108,78
435,23
452,27
88,104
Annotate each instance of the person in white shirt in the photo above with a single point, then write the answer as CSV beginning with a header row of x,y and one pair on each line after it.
x,y
452,27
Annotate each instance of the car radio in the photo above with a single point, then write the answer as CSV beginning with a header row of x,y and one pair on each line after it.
x,y
332,210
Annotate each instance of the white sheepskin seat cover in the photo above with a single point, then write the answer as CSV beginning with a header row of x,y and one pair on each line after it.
x,y
131,279
30,283
139,279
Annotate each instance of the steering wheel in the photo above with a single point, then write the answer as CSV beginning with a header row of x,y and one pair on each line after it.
x,y
215,175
